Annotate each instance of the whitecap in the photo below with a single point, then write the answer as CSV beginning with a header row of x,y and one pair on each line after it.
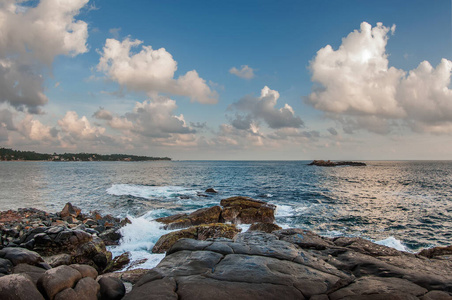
x,y
392,242
150,192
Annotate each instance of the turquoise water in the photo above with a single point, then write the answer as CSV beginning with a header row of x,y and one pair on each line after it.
x,y
399,202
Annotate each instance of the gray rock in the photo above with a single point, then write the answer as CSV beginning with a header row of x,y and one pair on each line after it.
x,y
303,238
437,295
201,288
85,270
387,287
189,263
18,287
156,289
32,271
67,294
58,260
111,288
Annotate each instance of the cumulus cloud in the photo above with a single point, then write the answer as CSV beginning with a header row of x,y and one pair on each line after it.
x,y
151,71
245,72
263,108
35,130
79,128
355,84
151,118
31,37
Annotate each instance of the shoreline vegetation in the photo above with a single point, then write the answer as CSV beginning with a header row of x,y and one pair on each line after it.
x,y
63,256
7,154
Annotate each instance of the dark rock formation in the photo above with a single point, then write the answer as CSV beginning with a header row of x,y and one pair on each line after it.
x,y
246,210
293,264
211,190
201,216
200,232
111,288
265,227
328,163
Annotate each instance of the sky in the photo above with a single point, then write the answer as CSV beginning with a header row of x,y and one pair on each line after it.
x,y
228,80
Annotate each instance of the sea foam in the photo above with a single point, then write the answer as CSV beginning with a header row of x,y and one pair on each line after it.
x,y
138,238
150,192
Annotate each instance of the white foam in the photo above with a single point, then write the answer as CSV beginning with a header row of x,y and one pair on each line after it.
x,y
138,238
393,243
284,211
149,192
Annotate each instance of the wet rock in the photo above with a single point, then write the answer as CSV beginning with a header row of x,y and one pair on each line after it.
x,y
157,289
366,247
111,288
200,232
118,262
6,266
265,227
247,210
201,216
18,287
110,237
211,190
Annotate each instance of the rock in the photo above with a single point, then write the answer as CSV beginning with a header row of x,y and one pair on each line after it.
x,y
6,266
33,272
118,262
85,270
111,288
436,251
57,279
265,227
20,256
246,210
389,288
201,216
87,288
110,237
200,232
328,163
18,287
366,247
67,294
437,295
70,210
201,288
211,190
157,289
303,238
58,260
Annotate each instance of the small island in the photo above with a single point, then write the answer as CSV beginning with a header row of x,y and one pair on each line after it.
x,y
329,163
16,155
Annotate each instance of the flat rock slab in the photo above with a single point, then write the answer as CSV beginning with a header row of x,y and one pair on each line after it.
x,y
293,264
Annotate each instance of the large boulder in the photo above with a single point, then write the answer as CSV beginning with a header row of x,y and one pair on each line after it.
x,y
70,210
245,210
111,288
18,287
201,216
200,232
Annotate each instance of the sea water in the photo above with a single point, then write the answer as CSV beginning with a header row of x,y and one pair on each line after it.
x,y
402,204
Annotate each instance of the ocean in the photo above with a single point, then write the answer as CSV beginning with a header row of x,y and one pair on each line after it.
x,y
402,204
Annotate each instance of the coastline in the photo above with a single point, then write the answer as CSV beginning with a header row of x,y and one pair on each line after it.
x,y
265,261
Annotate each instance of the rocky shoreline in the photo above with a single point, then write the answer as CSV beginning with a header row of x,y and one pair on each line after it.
x,y
63,256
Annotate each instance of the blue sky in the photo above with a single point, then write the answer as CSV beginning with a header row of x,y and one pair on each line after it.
x,y
157,78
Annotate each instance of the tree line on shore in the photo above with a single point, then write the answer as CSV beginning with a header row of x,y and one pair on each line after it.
x,y
7,154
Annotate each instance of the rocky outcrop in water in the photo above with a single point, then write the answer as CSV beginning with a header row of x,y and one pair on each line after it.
x,y
236,210
328,163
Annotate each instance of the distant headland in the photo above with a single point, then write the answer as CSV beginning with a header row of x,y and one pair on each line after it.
x,y
16,155
328,163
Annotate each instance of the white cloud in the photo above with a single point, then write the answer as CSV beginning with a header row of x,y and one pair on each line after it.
x,y
263,108
356,82
245,72
31,37
35,130
79,128
151,71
